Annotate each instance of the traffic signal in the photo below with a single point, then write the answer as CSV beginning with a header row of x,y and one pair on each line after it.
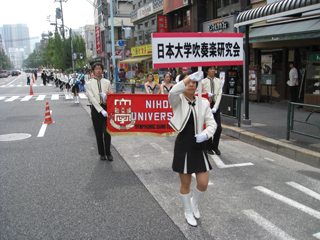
x,y
81,56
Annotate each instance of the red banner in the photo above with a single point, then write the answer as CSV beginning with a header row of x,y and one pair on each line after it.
x,y
139,114
162,23
98,40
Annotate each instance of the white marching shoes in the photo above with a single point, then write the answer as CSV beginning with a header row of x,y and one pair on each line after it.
x,y
186,199
76,99
194,202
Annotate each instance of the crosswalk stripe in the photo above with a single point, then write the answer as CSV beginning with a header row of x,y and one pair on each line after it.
x,y
2,98
19,85
304,189
11,85
3,85
82,96
289,201
264,223
55,97
41,97
26,98
317,235
11,99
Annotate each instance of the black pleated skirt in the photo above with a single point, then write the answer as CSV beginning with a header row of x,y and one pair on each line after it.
x,y
189,156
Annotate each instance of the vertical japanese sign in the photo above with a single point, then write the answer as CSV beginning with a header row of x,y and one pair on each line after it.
x,y
196,49
98,40
162,23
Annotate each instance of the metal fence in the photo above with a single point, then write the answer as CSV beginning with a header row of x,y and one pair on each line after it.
x,y
291,120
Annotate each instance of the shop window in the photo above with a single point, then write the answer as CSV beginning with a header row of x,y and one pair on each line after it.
x,y
181,18
146,24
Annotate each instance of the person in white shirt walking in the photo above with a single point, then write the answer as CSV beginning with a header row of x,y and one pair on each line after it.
x,y
293,82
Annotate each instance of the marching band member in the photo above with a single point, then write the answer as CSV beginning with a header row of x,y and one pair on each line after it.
x,y
166,86
75,88
213,86
151,86
190,155
97,89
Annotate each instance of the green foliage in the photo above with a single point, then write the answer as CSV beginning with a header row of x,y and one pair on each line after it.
x,y
57,54
5,61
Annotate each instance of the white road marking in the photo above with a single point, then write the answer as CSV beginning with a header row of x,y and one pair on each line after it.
x,y
317,235
13,81
26,98
158,147
194,175
41,97
19,85
11,99
289,201
55,97
3,86
42,130
82,96
267,225
221,164
68,96
305,190
11,85
2,98
269,159
34,85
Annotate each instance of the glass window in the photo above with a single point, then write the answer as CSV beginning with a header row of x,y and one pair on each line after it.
x,y
140,37
234,1
144,1
226,3
153,22
134,6
186,18
219,3
146,24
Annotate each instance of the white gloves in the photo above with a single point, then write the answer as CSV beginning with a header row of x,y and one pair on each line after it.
x,y
210,94
103,95
201,137
104,113
195,76
214,110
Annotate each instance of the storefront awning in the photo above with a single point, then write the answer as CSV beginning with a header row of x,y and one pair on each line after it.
x,y
286,31
283,8
136,59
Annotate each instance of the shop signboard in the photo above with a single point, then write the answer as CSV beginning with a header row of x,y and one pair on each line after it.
x,y
224,25
196,49
314,57
268,79
162,23
170,5
141,50
98,40
145,10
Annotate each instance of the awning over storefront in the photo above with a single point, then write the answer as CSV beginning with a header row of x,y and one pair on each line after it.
x,y
276,10
136,59
286,31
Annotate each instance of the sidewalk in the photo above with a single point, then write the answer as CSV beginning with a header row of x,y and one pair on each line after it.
x,y
268,130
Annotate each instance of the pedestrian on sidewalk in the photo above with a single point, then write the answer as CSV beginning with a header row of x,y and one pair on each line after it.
x,y
166,87
213,86
190,154
293,82
151,86
98,88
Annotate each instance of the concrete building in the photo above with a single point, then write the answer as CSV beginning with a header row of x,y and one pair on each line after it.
x,y
16,36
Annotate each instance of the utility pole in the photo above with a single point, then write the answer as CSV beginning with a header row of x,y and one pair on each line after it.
x,y
63,34
70,32
106,35
115,73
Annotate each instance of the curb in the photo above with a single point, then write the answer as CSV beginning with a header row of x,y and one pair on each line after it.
x,y
299,154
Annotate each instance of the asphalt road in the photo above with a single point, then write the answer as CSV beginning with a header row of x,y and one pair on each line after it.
x,y
55,186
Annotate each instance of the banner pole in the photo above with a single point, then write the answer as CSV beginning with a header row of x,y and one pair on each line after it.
x,y
200,121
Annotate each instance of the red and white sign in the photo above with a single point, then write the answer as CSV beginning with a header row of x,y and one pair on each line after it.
x,y
98,40
119,53
196,49
145,10
162,23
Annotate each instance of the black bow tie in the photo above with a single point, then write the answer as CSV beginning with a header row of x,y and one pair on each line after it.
x,y
192,103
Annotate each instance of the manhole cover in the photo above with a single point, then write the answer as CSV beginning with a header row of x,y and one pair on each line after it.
x,y
14,136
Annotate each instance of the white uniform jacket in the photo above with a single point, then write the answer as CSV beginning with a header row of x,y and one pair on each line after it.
x,y
217,89
182,110
93,91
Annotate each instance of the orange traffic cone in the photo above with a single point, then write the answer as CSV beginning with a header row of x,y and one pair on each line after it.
x,y
32,78
47,119
31,91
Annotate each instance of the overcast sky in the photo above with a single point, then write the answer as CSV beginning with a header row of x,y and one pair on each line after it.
x,y
76,13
